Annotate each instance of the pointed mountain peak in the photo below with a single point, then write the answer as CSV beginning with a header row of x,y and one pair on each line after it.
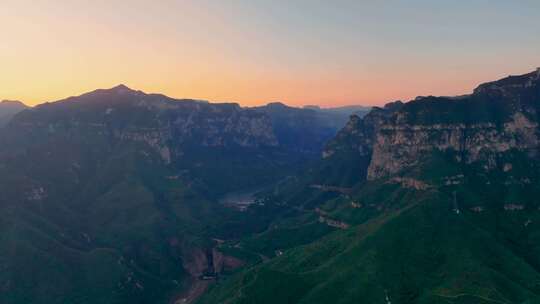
x,y
121,88
119,93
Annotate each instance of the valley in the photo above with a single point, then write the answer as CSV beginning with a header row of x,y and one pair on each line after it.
x,y
440,209
269,152
158,200
134,190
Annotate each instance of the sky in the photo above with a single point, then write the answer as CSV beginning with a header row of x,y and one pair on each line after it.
x,y
300,52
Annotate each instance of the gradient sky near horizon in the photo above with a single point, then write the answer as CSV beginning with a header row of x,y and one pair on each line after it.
x,y
300,52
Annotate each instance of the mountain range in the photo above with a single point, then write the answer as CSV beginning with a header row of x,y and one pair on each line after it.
x,y
118,196
113,196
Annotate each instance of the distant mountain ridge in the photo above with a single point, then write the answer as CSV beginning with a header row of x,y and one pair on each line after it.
x,y
307,129
182,131
344,110
8,109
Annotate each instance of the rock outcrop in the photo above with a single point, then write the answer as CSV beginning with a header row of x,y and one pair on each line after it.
x,y
167,125
499,117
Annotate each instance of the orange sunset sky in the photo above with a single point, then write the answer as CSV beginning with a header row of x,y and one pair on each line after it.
x,y
328,53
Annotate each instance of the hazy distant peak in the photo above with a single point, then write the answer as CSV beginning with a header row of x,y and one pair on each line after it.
x,y
277,104
8,108
116,90
6,101
121,87
13,104
120,91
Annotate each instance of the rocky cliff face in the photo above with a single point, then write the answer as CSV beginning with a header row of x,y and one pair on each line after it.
x,y
359,133
174,127
167,125
399,146
347,156
208,126
498,118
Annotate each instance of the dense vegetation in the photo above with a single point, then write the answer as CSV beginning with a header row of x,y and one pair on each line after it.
x,y
411,246
450,228
117,196
112,196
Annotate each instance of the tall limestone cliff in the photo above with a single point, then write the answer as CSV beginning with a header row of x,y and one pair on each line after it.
x,y
497,119
166,124
352,148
